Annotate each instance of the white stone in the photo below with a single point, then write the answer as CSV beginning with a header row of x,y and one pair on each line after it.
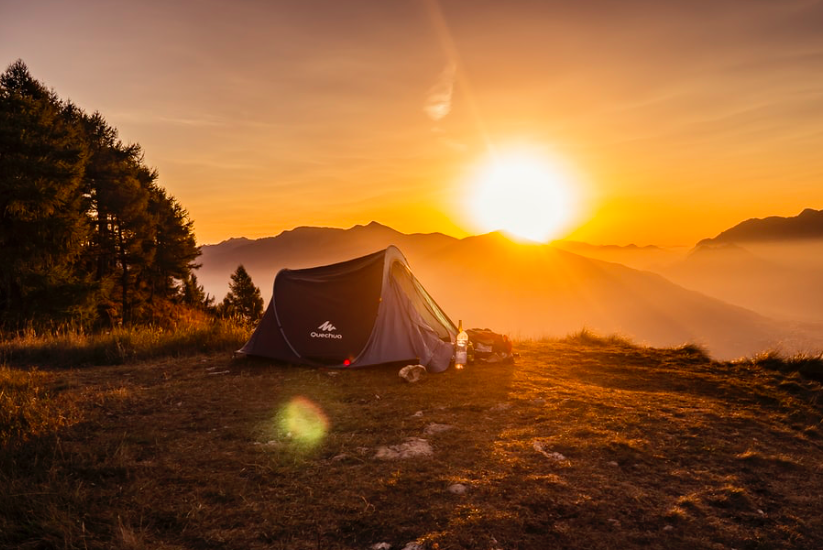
x,y
541,448
435,428
412,373
412,448
458,489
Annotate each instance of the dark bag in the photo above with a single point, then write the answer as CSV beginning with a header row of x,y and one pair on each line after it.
x,y
490,346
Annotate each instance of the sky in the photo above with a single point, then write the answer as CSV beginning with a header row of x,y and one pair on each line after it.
x,y
677,119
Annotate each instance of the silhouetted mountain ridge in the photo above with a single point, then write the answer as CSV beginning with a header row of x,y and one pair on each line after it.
x,y
806,225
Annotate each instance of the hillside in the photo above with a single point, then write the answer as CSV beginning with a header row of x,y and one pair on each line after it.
x,y
647,258
806,225
533,291
305,247
778,279
584,443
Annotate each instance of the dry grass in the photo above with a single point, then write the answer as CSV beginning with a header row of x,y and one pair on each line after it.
x,y
72,347
583,443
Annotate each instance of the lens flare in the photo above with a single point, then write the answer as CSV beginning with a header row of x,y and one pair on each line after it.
x,y
304,422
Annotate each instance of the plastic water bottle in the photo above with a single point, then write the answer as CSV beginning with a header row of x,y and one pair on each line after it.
x,y
461,347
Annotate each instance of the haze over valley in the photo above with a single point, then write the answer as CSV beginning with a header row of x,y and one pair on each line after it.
x,y
736,298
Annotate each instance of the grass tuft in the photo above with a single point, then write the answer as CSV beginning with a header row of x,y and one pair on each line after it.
x,y
809,366
75,347
27,406
587,337
694,351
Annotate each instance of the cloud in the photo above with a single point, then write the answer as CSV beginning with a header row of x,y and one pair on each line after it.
x,y
439,99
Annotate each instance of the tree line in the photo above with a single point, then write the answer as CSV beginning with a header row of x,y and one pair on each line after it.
x,y
87,235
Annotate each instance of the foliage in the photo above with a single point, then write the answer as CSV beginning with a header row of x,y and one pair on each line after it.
x,y
88,235
195,296
243,301
42,206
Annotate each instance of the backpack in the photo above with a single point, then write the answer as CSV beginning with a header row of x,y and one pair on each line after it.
x,y
490,346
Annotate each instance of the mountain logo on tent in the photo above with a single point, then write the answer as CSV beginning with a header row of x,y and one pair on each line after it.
x,y
327,329
327,326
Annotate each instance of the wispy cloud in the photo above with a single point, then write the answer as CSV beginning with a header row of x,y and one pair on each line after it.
x,y
439,99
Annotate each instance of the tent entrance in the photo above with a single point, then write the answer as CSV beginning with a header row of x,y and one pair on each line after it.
x,y
330,313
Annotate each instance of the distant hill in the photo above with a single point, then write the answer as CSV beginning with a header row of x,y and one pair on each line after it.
x,y
534,290
773,266
806,225
305,247
648,257
524,290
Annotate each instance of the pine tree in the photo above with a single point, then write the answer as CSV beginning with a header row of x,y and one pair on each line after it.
x,y
243,301
119,189
86,232
194,295
43,222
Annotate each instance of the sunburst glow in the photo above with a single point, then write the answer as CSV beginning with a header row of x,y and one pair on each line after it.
x,y
525,196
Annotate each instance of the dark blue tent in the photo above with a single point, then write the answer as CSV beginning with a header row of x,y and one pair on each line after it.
x,y
366,311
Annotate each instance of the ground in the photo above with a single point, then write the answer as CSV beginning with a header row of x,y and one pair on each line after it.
x,y
581,443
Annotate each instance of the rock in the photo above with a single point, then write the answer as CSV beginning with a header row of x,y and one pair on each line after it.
x,y
412,448
413,546
434,428
541,448
381,546
412,373
457,489
340,457
614,522
613,463
668,528
418,414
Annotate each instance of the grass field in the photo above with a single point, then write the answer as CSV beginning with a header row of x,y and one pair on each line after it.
x,y
582,443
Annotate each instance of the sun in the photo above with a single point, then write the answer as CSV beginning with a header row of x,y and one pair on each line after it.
x,y
528,196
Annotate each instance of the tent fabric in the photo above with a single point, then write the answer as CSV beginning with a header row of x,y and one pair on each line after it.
x,y
366,311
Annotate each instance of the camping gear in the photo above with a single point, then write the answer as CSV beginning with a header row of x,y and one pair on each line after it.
x,y
489,346
366,311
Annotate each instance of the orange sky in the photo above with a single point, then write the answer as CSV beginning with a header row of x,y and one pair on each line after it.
x,y
680,118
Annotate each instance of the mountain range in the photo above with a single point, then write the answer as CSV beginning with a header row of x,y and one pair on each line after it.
x,y
771,265
806,225
533,291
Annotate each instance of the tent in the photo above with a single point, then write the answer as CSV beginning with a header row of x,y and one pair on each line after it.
x,y
366,311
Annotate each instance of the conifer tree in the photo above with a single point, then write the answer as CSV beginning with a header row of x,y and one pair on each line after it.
x,y
43,222
243,301
195,296
85,230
